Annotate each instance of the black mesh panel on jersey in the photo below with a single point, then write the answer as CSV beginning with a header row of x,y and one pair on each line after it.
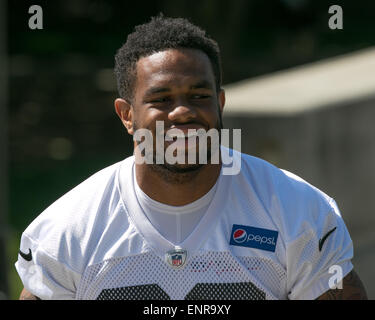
x,y
143,292
225,291
202,291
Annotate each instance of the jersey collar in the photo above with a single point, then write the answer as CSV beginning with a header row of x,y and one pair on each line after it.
x,y
151,235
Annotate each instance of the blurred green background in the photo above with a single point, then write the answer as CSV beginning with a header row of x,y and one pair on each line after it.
x,y
61,122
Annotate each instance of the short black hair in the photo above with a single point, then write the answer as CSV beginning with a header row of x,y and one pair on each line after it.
x,y
162,33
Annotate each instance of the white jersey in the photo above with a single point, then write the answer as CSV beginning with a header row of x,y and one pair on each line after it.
x,y
174,223
267,234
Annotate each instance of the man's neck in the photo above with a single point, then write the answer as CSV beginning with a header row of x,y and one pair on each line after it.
x,y
173,188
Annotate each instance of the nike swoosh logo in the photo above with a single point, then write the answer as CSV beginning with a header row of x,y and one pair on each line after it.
x,y
322,240
27,257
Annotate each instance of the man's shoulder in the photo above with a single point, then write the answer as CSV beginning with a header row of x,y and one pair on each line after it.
x,y
70,229
282,190
94,187
281,181
291,202
79,207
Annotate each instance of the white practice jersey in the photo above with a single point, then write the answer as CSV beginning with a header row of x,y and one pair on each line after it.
x,y
267,234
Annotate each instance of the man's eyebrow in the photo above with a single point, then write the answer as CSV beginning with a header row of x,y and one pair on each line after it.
x,y
204,84
156,90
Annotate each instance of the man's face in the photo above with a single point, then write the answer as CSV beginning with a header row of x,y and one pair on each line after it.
x,y
176,86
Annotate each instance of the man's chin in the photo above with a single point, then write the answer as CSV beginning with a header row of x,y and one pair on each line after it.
x,y
177,173
182,168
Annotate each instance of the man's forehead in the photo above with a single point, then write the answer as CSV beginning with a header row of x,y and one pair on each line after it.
x,y
169,62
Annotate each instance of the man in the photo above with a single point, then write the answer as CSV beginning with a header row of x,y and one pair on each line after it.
x,y
185,230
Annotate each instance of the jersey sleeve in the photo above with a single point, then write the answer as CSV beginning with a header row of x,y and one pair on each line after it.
x,y
320,256
42,274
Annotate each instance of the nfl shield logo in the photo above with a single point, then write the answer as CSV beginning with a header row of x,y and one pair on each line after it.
x,y
176,258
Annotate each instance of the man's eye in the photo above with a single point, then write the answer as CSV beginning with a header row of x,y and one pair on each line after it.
x,y
200,96
159,100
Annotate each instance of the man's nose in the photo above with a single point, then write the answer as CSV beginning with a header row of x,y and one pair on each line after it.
x,y
182,112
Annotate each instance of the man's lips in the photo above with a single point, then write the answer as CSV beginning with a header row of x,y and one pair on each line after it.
x,y
183,131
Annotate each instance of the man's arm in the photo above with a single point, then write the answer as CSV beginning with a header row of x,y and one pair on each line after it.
x,y
26,295
352,289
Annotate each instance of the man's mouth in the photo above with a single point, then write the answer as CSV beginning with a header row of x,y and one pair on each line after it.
x,y
183,131
183,137
174,134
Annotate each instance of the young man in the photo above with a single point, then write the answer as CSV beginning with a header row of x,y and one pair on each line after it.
x,y
163,230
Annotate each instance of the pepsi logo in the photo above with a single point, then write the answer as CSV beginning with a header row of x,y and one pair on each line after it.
x,y
253,237
239,235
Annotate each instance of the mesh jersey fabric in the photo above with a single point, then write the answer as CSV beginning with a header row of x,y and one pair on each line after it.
x,y
95,242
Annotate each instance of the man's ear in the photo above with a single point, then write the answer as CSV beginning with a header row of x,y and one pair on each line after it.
x,y
125,113
221,99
